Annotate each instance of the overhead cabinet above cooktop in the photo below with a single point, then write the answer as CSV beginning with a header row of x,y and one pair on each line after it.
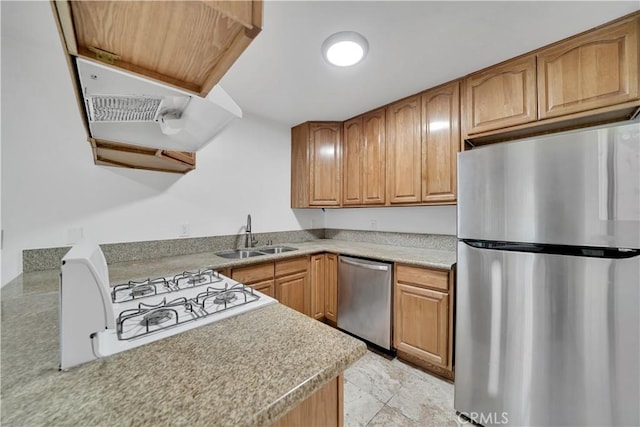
x,y
145,75
187,44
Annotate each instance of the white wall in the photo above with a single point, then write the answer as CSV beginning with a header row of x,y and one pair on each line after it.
x,y
415,219
50,184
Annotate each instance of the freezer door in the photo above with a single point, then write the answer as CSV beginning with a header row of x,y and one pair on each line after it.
x,y
580,188
547,339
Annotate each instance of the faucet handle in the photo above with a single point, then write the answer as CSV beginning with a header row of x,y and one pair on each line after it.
x,y
269,242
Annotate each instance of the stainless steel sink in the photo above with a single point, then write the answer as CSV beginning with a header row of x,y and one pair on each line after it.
x,y
240,253
277,249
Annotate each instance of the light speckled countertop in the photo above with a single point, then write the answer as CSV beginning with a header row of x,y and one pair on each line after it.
x,y
168,266
273,360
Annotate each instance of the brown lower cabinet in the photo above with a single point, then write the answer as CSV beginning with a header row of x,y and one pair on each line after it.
x,y
286,280
317,268
423,312
324,287
423,328
331,289
323,408
259,276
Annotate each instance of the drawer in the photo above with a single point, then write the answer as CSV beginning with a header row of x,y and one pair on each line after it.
x,y
253,273
292,265
266,287
423,277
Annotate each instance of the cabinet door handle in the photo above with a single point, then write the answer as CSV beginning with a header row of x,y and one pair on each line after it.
x,y
367,266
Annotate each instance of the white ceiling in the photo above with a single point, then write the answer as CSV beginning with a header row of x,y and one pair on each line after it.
x,y
412,46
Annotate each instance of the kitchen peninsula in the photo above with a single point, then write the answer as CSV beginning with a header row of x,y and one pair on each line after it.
x,y
248,370
251,369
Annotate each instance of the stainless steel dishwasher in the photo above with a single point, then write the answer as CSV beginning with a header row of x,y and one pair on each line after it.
x,y
364,299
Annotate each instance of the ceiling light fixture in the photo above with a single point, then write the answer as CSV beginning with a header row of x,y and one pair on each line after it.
x,y
345,48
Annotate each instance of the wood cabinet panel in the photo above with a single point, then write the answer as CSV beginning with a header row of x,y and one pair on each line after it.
x,y
331,288
501,96
323,408
291,265
422,323
374,157
318,281
440,142
316,155
190,45
324,159
594,70
352,162
253,273
293,291
300,166
364,160
111,153
404,151
423,277
267,287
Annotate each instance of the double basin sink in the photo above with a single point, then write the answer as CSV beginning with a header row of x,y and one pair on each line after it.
x,y
248,253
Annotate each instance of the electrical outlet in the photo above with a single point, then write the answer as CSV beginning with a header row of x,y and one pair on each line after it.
x,y
184,230
374,225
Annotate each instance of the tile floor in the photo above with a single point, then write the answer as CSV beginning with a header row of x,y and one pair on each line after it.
x,y
379,391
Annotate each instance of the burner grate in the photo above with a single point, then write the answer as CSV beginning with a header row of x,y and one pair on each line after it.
x,y
132,290
190,279
150,318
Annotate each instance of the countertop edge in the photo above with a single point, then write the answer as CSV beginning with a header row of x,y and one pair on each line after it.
x,y
296,396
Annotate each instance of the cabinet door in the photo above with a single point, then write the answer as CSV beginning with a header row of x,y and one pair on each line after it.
x,y
186,44
594,70
352,162
293,291
331,288
374,161
324,178
266,287
501,96
422,323
317,285
300,166
403,151
440,142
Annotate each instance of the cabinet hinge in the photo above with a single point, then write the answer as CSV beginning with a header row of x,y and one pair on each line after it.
x,y
104,56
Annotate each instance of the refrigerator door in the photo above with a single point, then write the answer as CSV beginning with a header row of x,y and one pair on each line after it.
x,y
547,339
579,188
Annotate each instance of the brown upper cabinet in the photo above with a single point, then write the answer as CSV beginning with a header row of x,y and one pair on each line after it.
x,y
588,79
186,44
352,162
404,173
405,153
501,96
316,153
590,71
440,142
363,161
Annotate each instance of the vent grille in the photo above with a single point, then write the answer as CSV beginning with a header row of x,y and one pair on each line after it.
x,y
122,108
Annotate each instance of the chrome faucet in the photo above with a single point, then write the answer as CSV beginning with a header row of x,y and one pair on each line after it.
x,y
249,240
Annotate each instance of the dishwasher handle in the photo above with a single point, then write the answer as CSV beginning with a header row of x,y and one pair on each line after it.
x,y
376,267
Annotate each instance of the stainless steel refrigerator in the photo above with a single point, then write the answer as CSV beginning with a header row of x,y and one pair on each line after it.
x,y
547,323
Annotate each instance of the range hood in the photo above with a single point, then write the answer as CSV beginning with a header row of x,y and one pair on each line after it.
x,y
125,108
